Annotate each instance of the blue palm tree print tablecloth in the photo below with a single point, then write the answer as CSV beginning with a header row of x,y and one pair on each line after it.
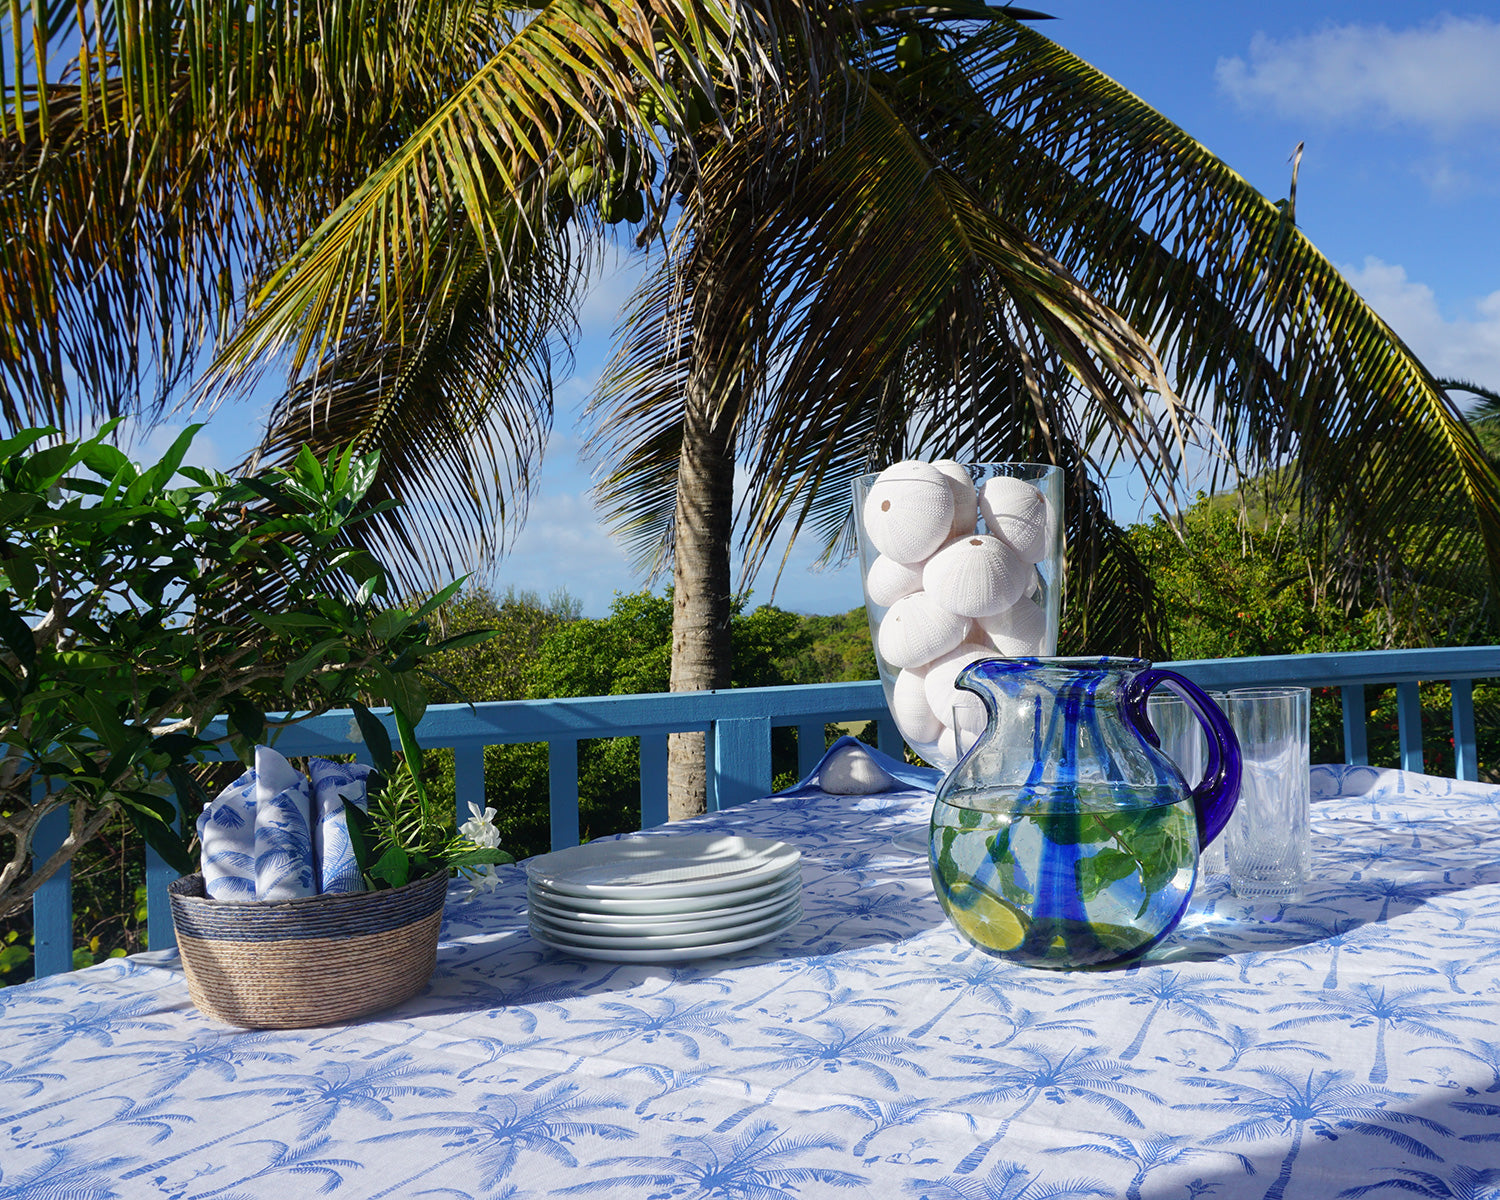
x,y
1345,1045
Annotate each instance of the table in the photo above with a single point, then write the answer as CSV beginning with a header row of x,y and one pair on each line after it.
x,y
1345,1045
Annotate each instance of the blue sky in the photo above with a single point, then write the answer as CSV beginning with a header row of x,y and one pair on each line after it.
x,y
1398,106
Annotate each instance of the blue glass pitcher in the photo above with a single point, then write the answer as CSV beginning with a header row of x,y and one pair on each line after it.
x,y
1065,837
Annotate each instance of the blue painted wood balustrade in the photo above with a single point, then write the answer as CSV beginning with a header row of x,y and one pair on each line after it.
x,y
738,724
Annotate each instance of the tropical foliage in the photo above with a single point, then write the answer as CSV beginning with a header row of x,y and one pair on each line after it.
x,y
136,605
558,654
876,229
1237,579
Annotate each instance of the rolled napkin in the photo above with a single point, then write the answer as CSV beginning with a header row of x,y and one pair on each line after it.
x,y
332,784
851,771
226,836
284,868
274,835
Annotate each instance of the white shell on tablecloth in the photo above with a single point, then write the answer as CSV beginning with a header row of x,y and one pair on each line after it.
x,y
976,576
853,772
908,511
888,580
943,697
913,715
1019,631
965,496
1018,513
915,631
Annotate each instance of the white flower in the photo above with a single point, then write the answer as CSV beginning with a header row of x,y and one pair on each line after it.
x,y
480,828
481,879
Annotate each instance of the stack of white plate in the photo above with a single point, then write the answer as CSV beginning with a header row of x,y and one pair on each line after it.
x,y
664,898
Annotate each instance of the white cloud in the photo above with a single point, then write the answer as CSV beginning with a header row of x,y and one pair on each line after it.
x,y
563,545
1441,76
1465,347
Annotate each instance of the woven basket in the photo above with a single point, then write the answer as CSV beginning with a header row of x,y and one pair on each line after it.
x,y
286,964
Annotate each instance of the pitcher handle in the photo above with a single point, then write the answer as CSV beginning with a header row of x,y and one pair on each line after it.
x,y
1215,797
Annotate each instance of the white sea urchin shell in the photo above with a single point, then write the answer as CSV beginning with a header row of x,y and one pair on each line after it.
x,y
945,698
976,576
853,772
1017,513
915,631
908,511
888,580
1019,631
913,715
965,497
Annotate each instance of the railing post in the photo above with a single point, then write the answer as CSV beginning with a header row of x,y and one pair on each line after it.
x,y
52,903
889,739
161,933
1465,747
741,762
1409,725
468,781
810,747
562,792
1356,744
653,780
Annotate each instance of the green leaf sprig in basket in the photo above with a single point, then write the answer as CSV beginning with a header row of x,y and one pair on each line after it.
x,y
405,835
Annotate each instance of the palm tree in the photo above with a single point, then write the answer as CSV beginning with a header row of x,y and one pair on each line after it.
x,y
505,1126
758,1162
1006,1181
1418,1008
1145,1155
315,1100
870,1050
878,253
1466,1183
1326,1103
1083,1073
1157,991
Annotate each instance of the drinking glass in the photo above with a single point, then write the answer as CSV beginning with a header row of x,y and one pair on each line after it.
x,y
1183,742
1267,845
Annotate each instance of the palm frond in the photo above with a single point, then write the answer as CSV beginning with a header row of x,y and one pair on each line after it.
x,y
636,414
460,416
1265,341
154,156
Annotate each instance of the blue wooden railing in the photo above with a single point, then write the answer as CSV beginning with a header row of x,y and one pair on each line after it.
x,y
738,724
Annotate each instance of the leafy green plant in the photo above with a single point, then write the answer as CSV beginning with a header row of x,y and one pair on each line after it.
x,y
137,604
405,834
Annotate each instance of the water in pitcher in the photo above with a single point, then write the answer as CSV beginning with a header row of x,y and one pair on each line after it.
x,y
1064,875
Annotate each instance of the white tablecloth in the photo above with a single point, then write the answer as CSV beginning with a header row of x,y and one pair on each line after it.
x,y
1347,1044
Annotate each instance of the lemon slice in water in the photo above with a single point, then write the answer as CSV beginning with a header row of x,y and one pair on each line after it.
x,y
985,918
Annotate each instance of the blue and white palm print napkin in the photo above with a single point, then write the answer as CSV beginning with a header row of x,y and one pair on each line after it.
x,y
284,867
332,784
226,834
273,835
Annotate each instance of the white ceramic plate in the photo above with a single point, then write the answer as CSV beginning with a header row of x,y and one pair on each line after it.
x,y
570,935
560,911
667,954
757,890
732,896
667,866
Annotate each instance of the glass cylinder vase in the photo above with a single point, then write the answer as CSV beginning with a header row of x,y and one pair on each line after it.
x,y
959,561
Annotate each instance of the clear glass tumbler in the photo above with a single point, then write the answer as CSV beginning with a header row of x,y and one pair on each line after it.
x,y
1267,845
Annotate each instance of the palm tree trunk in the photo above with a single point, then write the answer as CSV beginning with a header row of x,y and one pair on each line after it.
x,y
723,300
701,595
